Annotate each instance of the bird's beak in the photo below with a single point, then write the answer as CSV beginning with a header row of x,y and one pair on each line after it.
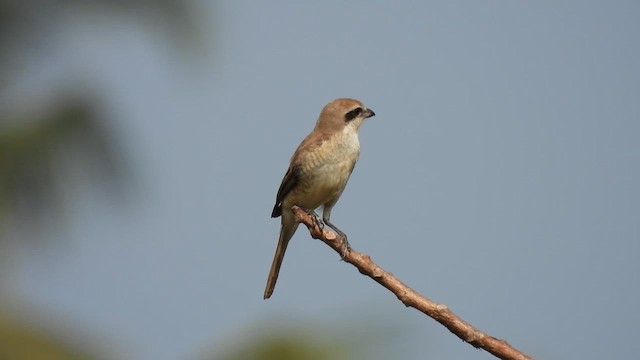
x,y
368,113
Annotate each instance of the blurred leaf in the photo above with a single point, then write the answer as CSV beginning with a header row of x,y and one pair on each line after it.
x,y
23,16
293,344
358,335
31,150
20,342
26,25
32,147
36,148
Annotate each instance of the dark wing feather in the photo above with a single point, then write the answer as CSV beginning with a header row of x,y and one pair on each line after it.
x,y
289,181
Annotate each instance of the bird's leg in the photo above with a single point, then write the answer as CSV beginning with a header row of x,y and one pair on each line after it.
x,y
316,219
345,242
326,216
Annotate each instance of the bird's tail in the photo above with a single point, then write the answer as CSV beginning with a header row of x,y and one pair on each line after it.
x,y
286,232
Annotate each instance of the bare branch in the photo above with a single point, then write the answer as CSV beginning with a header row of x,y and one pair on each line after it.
x,y
408,296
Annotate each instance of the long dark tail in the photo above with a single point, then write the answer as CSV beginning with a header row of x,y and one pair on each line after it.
x,y
287,230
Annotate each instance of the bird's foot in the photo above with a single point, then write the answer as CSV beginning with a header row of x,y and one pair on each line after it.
x,y
317,221
346,246
345,243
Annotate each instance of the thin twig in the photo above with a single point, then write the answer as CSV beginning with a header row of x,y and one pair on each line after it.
x,y
408,296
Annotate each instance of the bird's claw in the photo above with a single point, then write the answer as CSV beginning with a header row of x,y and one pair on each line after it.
x,y
317,221
346,247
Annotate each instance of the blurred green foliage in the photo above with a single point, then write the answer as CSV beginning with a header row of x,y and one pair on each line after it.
x,y
21,342
32,144
31,151
39,136
289,344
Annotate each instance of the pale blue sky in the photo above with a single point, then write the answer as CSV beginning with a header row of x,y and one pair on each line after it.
x,y
499,176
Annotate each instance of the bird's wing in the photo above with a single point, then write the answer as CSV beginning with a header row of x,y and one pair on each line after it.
x,y
289,181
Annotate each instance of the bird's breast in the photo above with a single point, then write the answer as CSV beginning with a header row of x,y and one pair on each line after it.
x,y
326,170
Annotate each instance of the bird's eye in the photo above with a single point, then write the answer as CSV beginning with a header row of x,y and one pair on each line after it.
x,y
353,114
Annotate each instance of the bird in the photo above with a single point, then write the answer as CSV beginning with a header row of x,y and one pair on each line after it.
x,y
318,173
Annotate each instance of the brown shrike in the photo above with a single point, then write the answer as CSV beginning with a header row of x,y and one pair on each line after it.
x,y
318,173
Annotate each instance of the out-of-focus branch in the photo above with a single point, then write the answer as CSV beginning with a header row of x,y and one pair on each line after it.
x,y
408,296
